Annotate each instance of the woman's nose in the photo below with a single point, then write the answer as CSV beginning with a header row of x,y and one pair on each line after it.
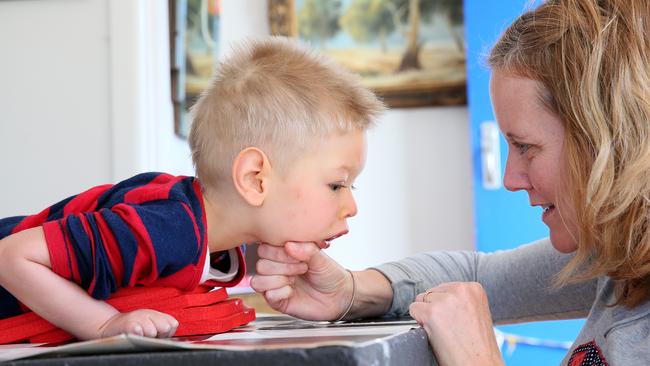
x,y
515,177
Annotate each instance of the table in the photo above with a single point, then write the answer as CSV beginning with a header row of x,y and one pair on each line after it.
x,y
408,347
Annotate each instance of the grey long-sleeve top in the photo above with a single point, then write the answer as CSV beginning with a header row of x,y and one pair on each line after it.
x,y
518,284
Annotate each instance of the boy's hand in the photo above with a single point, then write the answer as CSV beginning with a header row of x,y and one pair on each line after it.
x,y
142,322
300,280
26,273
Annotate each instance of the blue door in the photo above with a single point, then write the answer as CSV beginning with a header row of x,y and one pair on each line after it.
x,y
503,219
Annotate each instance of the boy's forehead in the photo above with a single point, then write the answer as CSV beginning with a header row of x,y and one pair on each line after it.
x,y
341,152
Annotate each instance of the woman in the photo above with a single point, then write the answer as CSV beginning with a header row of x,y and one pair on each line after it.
x,y
571,91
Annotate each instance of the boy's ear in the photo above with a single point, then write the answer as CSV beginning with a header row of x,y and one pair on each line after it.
x,y
250,172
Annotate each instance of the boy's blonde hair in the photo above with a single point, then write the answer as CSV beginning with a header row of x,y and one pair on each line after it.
x,y
593,57
277,95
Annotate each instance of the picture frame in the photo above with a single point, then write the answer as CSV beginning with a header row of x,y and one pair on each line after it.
x,y
411,53
194,47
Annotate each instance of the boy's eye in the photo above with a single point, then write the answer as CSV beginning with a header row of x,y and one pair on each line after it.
x,y
336,186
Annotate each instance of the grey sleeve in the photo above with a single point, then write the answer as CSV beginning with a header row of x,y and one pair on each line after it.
x,y
627,343
518,282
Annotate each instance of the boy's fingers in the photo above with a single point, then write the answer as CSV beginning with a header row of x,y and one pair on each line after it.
x,y
134,327
149,327
267,267
168,329
277,254
174,327
165,323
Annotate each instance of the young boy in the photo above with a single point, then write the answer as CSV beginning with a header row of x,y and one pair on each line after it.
x,y
277,141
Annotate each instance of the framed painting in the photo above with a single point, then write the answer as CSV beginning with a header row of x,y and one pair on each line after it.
x,y
410,52
194,27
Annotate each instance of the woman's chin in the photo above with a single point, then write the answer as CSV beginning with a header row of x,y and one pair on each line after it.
x,y
563,242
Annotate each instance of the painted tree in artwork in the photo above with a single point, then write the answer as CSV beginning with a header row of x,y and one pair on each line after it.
x,y
452,12
318,20
367,20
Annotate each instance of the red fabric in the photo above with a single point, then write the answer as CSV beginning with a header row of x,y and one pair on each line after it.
x,y
213,326
157,189
32,221
58,250
53,336
85,201
588,354
199,312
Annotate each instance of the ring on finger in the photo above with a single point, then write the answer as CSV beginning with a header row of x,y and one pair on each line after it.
x,y
426,293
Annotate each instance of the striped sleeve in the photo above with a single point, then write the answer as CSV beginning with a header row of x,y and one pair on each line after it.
x,y
154,243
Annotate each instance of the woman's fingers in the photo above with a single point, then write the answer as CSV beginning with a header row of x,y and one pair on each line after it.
x,y
267,267
266,283
274,253
457,319
290,260
302,251
277,298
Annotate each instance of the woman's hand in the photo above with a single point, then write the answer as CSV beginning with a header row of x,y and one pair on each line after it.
x,y
300,280
457,319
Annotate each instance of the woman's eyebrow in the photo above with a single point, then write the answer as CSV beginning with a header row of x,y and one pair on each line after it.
x,y
512,136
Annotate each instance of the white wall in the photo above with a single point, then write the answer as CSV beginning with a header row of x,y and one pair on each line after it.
x,y
54,101
415,193
84,99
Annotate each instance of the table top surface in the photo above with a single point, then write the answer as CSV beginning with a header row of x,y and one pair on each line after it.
x,y
270,340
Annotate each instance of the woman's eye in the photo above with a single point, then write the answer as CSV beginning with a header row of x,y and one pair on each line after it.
x,y
521,147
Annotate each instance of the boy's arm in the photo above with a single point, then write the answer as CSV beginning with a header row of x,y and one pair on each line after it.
x,y
25,271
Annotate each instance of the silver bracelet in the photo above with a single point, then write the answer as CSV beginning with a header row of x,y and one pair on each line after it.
x,y
354,293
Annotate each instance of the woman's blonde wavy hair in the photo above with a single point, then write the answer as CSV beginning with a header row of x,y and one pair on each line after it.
x,y
593,57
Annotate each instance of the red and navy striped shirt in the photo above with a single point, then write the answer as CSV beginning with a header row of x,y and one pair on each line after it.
x,y
148,230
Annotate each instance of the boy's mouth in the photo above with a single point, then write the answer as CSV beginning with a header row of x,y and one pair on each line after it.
x,y
327,242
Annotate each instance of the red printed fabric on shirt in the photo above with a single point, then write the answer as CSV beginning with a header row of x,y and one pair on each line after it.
x,y
588,354
147,230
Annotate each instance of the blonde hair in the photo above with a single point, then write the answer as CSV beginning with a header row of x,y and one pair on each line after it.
x,y
277,95
593,57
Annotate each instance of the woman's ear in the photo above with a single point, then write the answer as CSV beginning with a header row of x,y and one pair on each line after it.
x,y
250,174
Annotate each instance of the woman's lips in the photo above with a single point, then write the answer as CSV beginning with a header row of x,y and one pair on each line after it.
x,y
548,211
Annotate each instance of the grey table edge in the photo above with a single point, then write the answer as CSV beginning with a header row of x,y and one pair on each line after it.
x,y
410,348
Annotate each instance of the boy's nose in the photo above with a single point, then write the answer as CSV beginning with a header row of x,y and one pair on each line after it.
x,y
349,207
